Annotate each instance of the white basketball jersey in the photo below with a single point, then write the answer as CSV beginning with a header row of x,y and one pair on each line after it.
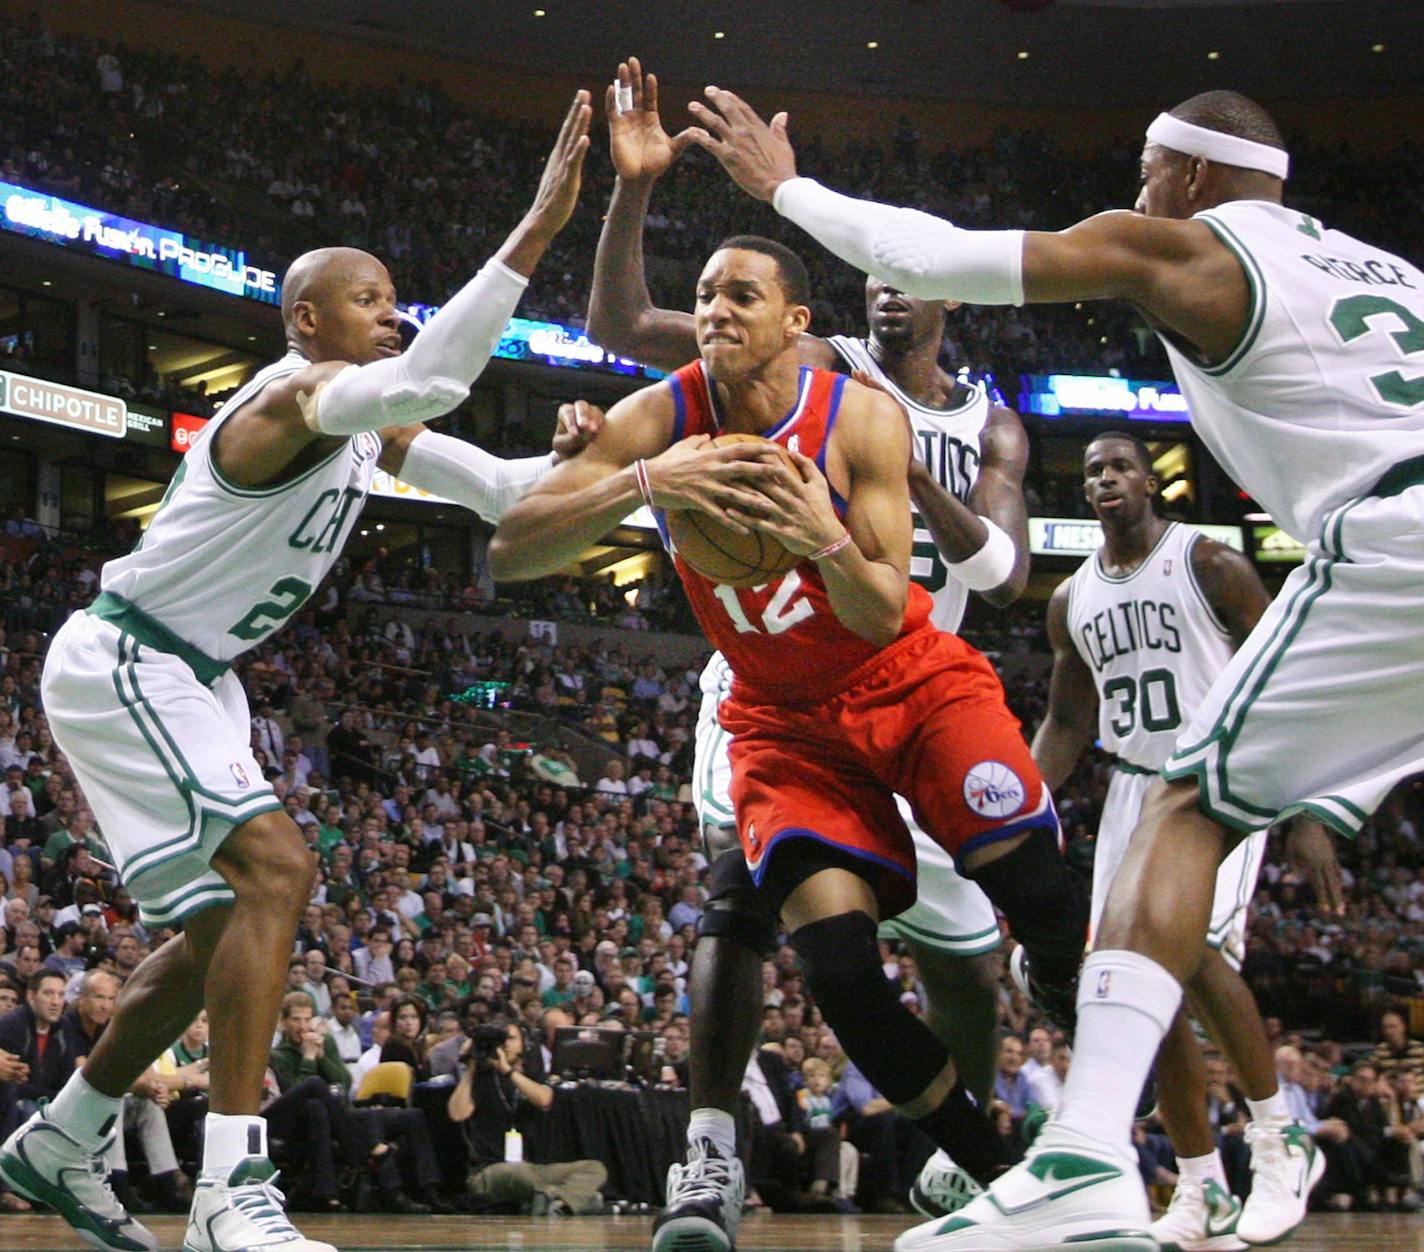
x,y
1325,392
1154,645
224,566
947,442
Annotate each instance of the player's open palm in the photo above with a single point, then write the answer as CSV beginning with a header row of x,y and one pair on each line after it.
x,y
758,156
642,150
563,170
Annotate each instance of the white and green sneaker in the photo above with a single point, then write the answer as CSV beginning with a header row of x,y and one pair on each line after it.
x,y
1285,1166
48,1166
1071,1193
244,1212
1201,1218
942,1187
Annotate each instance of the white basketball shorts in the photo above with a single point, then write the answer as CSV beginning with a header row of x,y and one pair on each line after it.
x,y
1235,880
164,761
1322,708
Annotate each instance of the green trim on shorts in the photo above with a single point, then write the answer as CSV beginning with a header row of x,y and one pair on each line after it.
x,y
707,754
132,620
193,902
1212,752
1256,283
984,940
1127,767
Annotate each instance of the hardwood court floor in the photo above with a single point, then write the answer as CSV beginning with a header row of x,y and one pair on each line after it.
x,y
760,1233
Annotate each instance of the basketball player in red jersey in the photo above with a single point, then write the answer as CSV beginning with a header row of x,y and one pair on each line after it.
x,y
966,481
844,693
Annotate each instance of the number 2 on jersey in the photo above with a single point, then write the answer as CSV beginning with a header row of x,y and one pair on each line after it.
x,y
780,614
288,595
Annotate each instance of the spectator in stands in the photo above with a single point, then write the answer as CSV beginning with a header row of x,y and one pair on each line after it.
x,y
343,1031
1010,1084
1046,1085
409,1017
1397,1049
895,1148
30,1033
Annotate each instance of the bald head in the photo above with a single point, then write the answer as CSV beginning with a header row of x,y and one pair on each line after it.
x,y
1231,113
315,276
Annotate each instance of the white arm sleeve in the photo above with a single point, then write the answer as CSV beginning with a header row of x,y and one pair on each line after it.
x,y
468,475
921,255
430,379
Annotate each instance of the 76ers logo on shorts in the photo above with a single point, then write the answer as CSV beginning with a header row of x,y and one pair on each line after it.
x,y
992,789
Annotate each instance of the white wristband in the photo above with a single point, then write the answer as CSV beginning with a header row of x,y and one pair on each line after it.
x,y
992,565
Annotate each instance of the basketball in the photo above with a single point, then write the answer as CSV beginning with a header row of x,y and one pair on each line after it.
x,y
718,552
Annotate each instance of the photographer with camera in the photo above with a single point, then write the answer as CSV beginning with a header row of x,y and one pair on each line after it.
x,y
494,1098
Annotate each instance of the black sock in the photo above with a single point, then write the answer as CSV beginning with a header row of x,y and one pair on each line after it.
x,y
963,1129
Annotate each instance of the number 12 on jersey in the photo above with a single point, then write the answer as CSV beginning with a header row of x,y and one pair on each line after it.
x,y
782,612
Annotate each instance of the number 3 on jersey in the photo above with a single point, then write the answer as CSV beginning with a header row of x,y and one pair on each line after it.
x,y
782,612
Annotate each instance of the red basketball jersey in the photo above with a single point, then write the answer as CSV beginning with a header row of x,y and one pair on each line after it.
x,y
782,639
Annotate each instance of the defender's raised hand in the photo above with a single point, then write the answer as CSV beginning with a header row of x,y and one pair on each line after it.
x,y
641,149
757,156
563,171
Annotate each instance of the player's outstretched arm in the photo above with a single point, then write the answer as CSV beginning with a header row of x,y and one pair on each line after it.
x,y
583,499
1177,272
1072,717
470,476
452,348
621,313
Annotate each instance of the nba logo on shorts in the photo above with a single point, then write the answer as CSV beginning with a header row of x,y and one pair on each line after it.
x,y
992,789
1104,984
240,774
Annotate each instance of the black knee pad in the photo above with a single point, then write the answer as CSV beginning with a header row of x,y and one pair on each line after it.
x,y
734,910
1045,900
843,973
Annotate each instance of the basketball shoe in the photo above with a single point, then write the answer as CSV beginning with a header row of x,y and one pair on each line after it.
x,y
1071,1193
704,1202
942,1187
46,1165
244,1212
1285,1166
1201,1218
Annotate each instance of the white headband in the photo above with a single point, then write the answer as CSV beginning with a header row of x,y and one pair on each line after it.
x,y
1172,132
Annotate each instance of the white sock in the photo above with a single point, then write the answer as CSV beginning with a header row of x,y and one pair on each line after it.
x,y
715,1125
88,1115
1272,1109
1126,1001
227,1139
1202,1168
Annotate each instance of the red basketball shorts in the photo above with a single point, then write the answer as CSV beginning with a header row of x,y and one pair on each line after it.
x,y
925,719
